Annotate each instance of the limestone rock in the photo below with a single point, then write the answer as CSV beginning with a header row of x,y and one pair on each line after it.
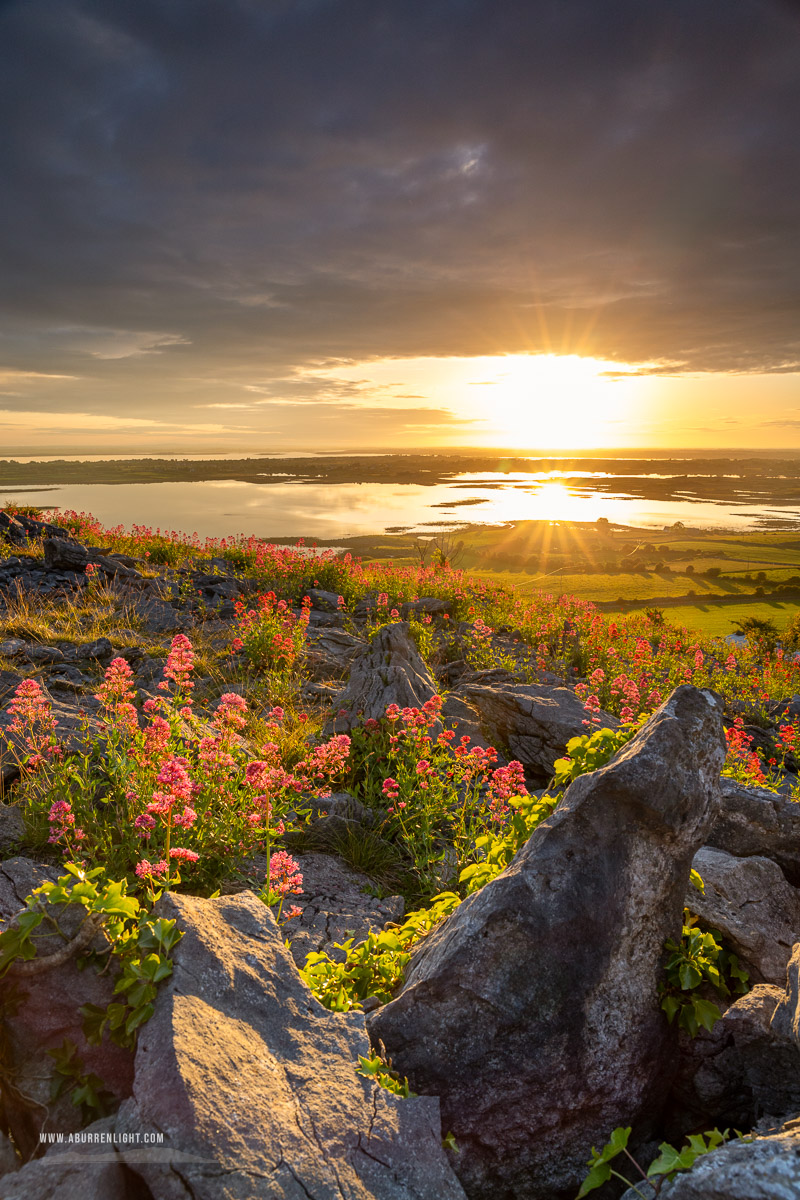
x,y
533,1012
44,1012
430,606
83,1172
731,1075
329,652
755,821
100,648
786,1019
749,901
9,1160
324,601
12,826
62,554
534,721
387,671
253,1083
767,1168
463,719
335,906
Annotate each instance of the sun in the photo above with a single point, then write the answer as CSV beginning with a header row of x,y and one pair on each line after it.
x,y
552,401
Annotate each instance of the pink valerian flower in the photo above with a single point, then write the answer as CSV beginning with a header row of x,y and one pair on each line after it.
x,y
62,825
186,818
156,735
284,874
116,694
184,855
212,753
325,761
294,911
33,721
180,663
144,825
148,870
391,788
117,685
176,787
231,715
508,781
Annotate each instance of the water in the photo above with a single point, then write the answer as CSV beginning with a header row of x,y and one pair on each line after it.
x,y
294,508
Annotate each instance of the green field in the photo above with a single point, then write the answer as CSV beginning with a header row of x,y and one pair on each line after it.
x,y
718,620
613,564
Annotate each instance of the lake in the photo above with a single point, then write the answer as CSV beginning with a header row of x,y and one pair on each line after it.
x,y
289,507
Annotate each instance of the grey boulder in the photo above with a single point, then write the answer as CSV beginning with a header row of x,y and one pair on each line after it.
x,y
253,1083
767,1168
534,721
748,901
754,821
388,671
61,554
533,1011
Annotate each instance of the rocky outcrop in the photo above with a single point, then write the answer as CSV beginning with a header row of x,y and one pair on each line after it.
x,y
767,1168
533,1012
745,1066
388,671
41,1013
786,1019
62,554
535,722
755,821
329,652
235,1021
246,1087
750,903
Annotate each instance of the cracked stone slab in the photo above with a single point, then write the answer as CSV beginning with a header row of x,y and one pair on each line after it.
x,y
335,906
253,1082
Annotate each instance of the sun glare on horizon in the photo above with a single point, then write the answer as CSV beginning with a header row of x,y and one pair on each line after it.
x,y
551,401
524,401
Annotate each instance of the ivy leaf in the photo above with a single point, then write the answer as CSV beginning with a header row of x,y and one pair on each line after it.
x,y
600,1171
689,976
706,1013
670,1005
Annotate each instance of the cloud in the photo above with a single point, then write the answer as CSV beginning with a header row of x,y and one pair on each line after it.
x,y
204,191
9,375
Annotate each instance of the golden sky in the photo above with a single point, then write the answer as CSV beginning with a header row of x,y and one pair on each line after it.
x,y
358,224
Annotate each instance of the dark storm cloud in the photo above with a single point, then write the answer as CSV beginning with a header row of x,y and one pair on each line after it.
x,y
196,190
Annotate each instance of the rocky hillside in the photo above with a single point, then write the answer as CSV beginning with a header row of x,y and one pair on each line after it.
x,y
324,880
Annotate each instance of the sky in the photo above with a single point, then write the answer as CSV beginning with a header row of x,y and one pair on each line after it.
x,y
263,225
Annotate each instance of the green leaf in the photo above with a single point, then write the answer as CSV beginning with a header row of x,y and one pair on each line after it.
x,y
706,1013
668,1160
599,1174
689,976
670,1005
138,1017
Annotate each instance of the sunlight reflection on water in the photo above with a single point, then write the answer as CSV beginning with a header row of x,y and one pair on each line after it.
x,y
220,508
